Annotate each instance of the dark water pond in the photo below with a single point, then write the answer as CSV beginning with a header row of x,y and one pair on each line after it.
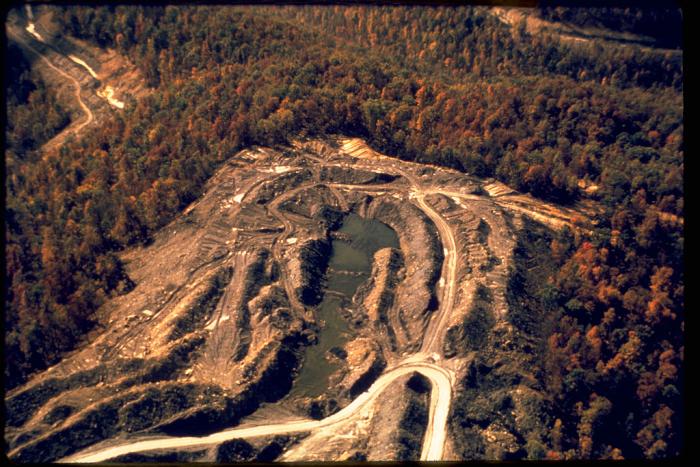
x,y
366,236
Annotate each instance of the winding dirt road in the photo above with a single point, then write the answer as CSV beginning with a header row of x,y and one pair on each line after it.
x,y
436,327
17,37
434,440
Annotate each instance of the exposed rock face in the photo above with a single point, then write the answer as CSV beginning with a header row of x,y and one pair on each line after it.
x,y
364,363
328,217
398,433
307,268
308,202
376,298
269,190
423,256
377,294
354,176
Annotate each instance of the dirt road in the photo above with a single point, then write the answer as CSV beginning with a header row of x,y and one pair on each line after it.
x,y
572,34
17,37
434,440
432,341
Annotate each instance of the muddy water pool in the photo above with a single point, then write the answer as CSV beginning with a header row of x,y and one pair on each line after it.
x,y
350,265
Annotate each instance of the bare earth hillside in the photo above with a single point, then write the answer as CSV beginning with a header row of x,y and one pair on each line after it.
x,y
225,306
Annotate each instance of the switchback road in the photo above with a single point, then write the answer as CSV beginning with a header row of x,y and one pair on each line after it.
x,y
434,439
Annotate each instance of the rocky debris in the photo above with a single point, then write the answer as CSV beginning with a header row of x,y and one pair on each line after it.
x,y
319,407
229,325
415,418
377,294
235,450
441,203
359,202
259,450
496,188
267,191
269,378
256,276
397,434
253,217
307,202
325,149
473,332
423,256
528,403
82,432
161,456
363,365
341,443
204,305
361,362
58,413
499,413
341,236
271,299
501,399
328,217
170,407
126,406
354,176
22,405
338,353
376,297
307,267
500,443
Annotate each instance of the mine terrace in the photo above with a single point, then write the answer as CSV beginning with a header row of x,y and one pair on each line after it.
x,y
227,310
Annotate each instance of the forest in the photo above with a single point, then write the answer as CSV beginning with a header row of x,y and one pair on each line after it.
x,y
445,85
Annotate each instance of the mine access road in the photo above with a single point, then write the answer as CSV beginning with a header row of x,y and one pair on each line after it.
x,y
440,378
